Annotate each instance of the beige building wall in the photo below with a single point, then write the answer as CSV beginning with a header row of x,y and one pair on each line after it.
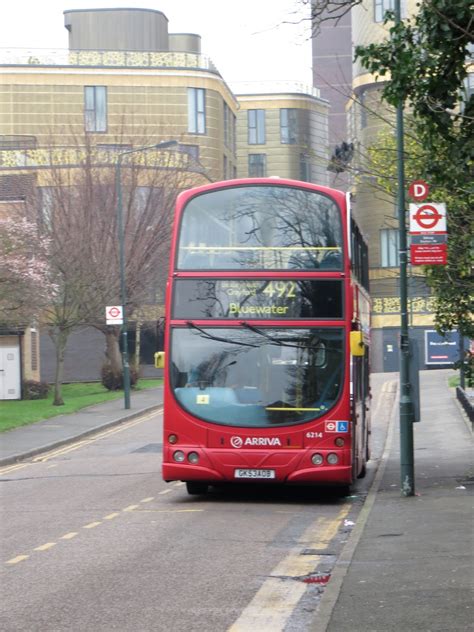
x,y
283,159
143,107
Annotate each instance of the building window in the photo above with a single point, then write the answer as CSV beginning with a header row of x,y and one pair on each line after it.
x,y
95,108
227,126
234,133
196,111
363,110
389,246
468,87
288,126
256,125
305,168
382,6
257,165
191,150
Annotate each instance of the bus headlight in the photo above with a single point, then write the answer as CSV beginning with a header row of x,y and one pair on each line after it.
x,y
193,457
172,438
333,459
179,456
317,459
339,442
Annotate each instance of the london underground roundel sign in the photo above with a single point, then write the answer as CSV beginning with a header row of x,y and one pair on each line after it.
x,y
427,218
114,315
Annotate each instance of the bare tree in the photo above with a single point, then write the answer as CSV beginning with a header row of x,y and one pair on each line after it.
x,y
323,11
79,217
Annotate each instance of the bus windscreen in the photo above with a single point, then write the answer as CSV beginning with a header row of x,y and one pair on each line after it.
x,y
256,376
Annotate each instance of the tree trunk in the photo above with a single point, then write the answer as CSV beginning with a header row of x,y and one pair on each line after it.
x,y
112,349
59,339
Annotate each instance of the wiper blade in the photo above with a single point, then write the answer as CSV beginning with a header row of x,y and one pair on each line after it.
x,y
265,335
209,336
280,343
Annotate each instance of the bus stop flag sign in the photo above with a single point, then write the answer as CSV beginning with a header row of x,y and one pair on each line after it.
x,y
428,230
114,315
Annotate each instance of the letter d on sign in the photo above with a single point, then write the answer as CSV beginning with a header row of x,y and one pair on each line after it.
x,y
418,190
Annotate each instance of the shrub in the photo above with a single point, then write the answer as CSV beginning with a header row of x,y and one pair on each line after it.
x,y
113,381
35,390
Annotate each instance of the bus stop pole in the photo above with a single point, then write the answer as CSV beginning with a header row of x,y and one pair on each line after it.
x,y
407,477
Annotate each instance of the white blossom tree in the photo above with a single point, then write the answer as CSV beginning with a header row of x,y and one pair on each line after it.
x,y
25,273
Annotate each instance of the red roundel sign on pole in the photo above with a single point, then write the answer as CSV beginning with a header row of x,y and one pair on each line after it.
x,y
427,218
114,315
418,190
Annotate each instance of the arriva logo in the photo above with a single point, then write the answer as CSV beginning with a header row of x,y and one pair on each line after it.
x,y
238,442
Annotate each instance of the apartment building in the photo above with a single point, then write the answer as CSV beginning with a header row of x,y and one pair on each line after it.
x,y
283,130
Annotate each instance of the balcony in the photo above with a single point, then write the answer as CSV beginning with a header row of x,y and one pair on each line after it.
x,y
104,59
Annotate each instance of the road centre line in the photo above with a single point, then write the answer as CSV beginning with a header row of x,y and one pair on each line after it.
x,y
18,558
92,525
45,547
278,596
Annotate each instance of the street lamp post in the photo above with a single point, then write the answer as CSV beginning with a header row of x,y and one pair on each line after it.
x,y
123,286
407,476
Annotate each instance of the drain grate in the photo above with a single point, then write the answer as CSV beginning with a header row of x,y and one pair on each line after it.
x,y
389,535
150,447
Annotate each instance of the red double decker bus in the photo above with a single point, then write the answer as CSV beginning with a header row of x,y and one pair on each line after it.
x,y
266,337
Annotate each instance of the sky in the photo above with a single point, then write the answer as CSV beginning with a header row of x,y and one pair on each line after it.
x,y
248,40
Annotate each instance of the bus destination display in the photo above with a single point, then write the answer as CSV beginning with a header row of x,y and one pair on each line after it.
x,y
197,299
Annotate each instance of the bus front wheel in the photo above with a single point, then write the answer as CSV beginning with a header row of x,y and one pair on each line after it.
x,y
196,488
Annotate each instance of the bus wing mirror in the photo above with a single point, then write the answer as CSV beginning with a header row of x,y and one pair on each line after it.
x,y
160,360
357,343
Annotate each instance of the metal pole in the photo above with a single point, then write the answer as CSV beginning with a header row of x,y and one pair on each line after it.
x,y
462,353
123,288
407,476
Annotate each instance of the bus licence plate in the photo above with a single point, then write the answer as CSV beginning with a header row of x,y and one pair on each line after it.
x,y
254,473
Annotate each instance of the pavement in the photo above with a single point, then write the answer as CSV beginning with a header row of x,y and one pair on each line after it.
x,y
408,563
28,441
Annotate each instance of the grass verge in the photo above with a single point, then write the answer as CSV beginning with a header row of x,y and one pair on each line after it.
x,y
15,413
453,381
